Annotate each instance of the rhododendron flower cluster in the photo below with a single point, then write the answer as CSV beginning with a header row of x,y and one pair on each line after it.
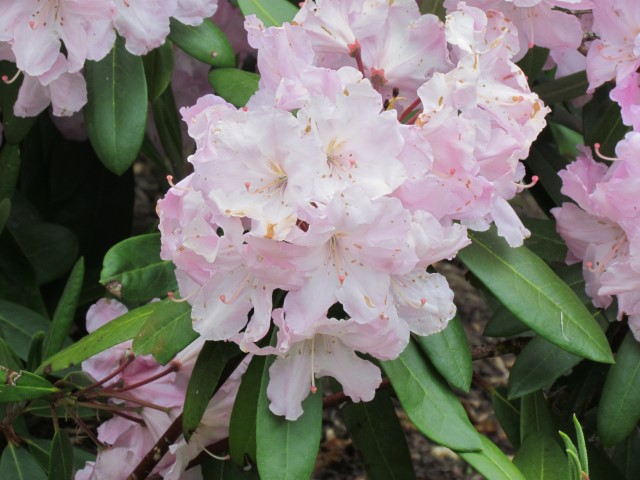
x,y
50,40
146,398
359,163
603,229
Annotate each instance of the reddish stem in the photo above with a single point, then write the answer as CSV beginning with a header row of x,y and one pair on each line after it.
x,y
174,367
127,361
407,111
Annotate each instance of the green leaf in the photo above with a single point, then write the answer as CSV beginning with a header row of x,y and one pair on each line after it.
x,y
619,409
563,89
164,336
61,457
376,432
19,325
602,122
507,413
133,268
209,366
15,128
544,240
242,427
116,110
429,402
165,116
50,248
541,458
158,68
213,469
296,443
10,167
35,350
545,161
234,85
206,42
492,463
582,446
572,453
18,464
5,210
535,416
116,331
16,386
273,13
535,294
627,455
435,7
503,323
533,61
65,311
449,352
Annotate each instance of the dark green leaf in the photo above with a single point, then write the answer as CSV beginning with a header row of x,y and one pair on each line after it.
x,y
429,402
116,110
627,455
165,116
9,358
213,469
535,416
449,352
544,240
10,167
273,13
15,128
235,86
533,61
376,432
492,463
18,464
545,161
16,386
435,7
19,325
503,323
563,89
535,294
50,248
582,445
619,409
116,331
158,68
35,350
61,457
541,458
602,122
135,271
242,427
206,42
65,311
164,336
507,412
209,366
5,210
297,442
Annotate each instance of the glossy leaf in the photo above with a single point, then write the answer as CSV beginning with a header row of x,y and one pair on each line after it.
x,y
507,413
164,336
158,68
116,110
65,311
297,442
235,86
35,350
8,357
50,248
536,295
533,61
544,240
205,42
242,427
541,458
5,210
535,416
503,323
435,7
214,469
429,402
545,161
602,122
17,463
135,269
627,455
619,409
116,331
449,352
562,89
15,128
492,463
273,13
19,325
209,366
61,457
10,167
16,386
376,432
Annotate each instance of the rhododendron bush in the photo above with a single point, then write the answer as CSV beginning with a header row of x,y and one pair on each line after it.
x,y
314,168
